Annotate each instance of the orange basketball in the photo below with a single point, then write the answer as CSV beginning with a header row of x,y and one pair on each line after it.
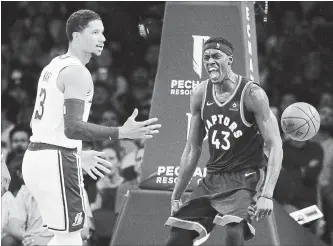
x,y
300,121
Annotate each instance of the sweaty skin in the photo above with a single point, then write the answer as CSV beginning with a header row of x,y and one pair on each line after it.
x,y
193,147
255,101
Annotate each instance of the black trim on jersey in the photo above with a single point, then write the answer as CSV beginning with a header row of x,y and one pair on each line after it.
x,y
204,99
243,110
218,103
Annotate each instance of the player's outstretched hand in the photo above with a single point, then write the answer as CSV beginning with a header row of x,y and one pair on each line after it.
x,y
175,206
134,130
263,208
93,164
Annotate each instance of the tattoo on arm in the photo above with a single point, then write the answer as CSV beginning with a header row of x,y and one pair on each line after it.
x,y
269,129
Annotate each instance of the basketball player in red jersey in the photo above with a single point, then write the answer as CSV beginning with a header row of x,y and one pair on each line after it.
x,y
239,185
52,164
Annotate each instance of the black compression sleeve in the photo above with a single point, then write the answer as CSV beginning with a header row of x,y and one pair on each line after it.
x,y
76,128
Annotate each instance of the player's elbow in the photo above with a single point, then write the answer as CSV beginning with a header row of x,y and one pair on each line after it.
x,y
274,146
70,129
69,132
274,143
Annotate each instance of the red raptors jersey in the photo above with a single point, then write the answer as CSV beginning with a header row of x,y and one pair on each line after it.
x,y
234,139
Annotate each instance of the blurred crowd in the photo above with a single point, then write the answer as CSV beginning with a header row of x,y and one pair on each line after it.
x,y
295,55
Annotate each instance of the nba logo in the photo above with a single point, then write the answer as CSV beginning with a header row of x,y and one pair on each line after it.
x,y
198,42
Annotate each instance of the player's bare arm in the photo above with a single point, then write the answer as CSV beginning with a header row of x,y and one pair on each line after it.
x,y
76,83
257,102
193,147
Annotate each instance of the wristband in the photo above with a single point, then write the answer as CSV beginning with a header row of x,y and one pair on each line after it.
x,y
114,133
270,198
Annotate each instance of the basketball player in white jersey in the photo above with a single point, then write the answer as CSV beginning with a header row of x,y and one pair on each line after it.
x,y
52,164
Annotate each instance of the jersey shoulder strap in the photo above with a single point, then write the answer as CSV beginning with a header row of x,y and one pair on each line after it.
x,y
204,97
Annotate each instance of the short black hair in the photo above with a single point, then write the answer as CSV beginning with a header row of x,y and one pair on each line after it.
x,y
222,41
117,149
79,20
19,128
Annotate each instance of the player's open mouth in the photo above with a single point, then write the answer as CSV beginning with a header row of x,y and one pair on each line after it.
x,y
100,46
210,69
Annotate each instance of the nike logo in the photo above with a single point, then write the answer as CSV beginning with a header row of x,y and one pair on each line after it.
x,y
248,174
209,103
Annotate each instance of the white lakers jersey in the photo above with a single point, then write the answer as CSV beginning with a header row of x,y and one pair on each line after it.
x,y
47,121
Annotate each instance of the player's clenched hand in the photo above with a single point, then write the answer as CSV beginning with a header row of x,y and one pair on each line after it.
x,y
133,129
35,240
175,206
28,241
93,164
263,208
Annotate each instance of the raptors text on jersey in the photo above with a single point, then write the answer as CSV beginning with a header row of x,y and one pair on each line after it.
x,y
233,137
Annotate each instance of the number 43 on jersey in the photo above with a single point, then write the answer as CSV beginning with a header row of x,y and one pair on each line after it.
x,y
224,144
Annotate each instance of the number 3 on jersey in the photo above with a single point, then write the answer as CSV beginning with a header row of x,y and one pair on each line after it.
x,y
226,143
40,109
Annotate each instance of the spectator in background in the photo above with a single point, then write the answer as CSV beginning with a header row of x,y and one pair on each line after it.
x,y
286,100
131,175
327,195
7,205
24,116
302,163
139,160
312,77
100,101
109,118
19,142
9,110
325,138
107,186
151,57
24,223
16,89
5,176
141,92
326,100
